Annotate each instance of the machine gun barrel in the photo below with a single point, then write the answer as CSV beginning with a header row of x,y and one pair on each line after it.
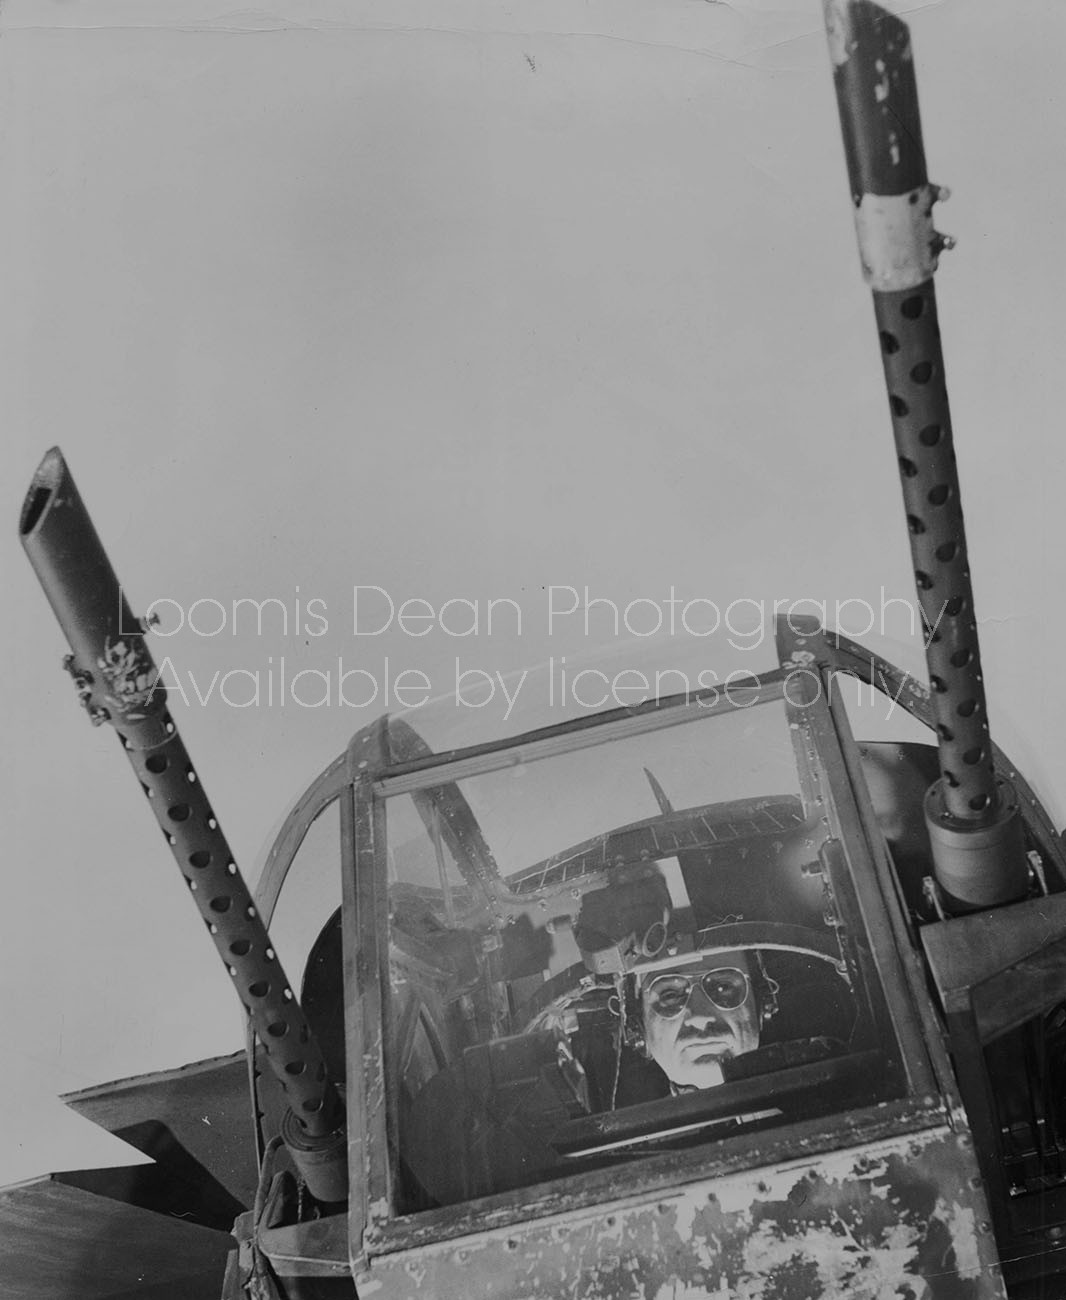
x,y
118,683
972,816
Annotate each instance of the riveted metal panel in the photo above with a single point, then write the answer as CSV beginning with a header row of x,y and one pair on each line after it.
x,y
903,1217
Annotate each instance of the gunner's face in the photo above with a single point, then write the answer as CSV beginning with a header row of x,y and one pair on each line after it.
x,y
698,1015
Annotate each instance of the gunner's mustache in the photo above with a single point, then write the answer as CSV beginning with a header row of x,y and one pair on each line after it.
x,y
713,1028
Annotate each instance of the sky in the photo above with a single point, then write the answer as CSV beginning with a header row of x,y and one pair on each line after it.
x,y
464,301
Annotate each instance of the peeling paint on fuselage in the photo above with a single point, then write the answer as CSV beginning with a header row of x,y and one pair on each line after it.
x,y
836,28
890,1220
962,1225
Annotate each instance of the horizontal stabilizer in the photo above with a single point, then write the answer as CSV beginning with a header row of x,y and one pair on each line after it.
x,y
195,1122
60,1242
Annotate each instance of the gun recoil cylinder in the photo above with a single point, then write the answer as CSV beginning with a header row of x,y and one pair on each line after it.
x,y
973,817
118,683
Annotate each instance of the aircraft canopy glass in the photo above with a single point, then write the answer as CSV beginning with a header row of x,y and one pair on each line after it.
x,y
626,940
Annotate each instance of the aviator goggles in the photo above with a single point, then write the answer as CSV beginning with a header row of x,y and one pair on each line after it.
x,y
726,988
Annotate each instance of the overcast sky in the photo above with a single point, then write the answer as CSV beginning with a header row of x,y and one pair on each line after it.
x,y
465,300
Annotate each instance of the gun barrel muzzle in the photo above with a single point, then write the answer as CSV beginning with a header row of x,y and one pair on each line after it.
x,y
118,683
877,98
